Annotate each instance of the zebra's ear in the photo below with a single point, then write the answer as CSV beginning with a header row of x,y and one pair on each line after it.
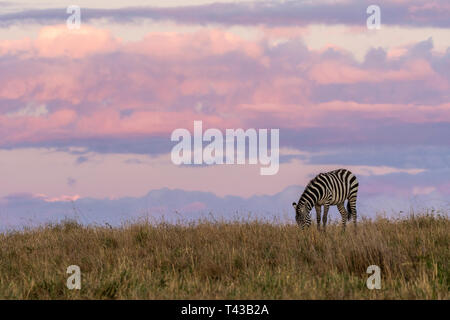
x,y
294,205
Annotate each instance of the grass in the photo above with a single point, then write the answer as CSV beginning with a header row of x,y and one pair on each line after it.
x,y
238,260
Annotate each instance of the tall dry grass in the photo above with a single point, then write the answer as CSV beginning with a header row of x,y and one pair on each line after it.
x,y
241,260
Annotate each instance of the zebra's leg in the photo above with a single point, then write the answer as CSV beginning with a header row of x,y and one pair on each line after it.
x,y
352,207
344,215
318,209
325,216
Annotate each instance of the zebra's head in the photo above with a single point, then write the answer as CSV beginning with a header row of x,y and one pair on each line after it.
x,y
301,215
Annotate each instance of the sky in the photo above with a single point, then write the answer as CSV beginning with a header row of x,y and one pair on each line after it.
x,y
86,114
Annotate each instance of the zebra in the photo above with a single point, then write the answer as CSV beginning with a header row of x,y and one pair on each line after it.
x,y
330,188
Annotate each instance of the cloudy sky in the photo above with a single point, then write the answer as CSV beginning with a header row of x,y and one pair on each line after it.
x,y
86,114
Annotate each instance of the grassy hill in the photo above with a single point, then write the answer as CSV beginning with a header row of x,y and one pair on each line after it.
x,y
241,260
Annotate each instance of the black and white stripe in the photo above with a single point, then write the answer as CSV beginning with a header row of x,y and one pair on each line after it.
x,y
327,189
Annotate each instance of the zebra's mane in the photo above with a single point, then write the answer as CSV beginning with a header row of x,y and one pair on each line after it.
x,y
304,200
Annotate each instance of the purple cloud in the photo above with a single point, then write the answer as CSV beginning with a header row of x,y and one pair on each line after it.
x,y
270,13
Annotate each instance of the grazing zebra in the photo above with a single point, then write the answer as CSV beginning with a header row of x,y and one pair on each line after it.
x,y
330,188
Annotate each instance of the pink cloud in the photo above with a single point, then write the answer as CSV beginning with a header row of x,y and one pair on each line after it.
x,y
62,198
328,72
167,80
193,46
289,32
36,128
59,41
404,112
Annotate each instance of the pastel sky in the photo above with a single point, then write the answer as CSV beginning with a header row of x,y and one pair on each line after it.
x,y
88,113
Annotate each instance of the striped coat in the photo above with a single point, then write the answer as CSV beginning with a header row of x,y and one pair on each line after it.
x,y
327,189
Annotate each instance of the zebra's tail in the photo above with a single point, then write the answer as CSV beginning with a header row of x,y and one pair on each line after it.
x,y
349,211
